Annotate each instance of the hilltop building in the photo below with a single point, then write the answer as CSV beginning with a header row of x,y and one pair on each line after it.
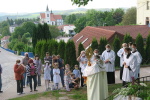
x,y
5,41
51,19
143,12
12,28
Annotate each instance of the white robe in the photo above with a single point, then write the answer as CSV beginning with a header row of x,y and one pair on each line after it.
x,y
120,53
111,57
139,59
97,87
83,65
128,74
56,76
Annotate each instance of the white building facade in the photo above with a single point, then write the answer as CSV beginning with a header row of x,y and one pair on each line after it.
x,y
69,30
12,28
51,19
5,41
143,12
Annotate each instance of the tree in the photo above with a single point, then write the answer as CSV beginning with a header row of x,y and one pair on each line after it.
x,y
127,38
43,48
70,54
81,2
129,17
61,49
94,44
54,31
148,49
140,45
70,19
118,15
103,43
116,47
19,46
80,48
28,27
46,32
80,24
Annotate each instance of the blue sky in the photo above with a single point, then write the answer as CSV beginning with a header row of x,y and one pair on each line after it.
x,y
14,6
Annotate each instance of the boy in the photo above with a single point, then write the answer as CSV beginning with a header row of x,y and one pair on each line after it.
x,y
76,71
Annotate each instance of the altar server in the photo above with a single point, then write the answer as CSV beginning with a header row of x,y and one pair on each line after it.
x,y
108,56
130,67
138,57
120,53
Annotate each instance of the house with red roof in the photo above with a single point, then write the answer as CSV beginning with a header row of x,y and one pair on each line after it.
x,y
50,18
109,32
5,41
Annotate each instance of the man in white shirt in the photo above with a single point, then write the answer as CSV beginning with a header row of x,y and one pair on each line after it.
x,y
82,59
108,56
138,57
120,53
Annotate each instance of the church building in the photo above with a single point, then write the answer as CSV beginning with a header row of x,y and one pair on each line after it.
x,y
51,19
143,12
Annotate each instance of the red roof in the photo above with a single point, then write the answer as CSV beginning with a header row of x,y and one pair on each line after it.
x,y
52,16
88,33
133,30
5,38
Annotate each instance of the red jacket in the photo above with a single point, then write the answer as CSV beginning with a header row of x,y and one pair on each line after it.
x,y
19,70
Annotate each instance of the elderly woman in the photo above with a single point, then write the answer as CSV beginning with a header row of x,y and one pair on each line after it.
x,y
38,63
19,70
31,70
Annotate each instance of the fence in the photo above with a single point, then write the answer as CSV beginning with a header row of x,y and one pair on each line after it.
x,y
22,53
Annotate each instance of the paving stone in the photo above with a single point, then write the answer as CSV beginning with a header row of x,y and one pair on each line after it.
x,y
62,92
63,98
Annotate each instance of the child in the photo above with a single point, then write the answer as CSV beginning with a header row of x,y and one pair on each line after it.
x,y
74,82
47,76
76,72
67,77
56,76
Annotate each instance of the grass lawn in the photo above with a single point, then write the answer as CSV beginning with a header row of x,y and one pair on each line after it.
x,y
79,94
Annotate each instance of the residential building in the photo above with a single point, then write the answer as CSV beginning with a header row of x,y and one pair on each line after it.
x,y
5,41
143,12
109,32
12,28
67,29
51,19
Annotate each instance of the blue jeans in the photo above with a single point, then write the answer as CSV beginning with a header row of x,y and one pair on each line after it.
x,y
25,81
34,80
0,82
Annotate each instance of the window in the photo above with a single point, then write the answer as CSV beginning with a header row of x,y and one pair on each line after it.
x,y
85,40
80,38
47,15
148,5
88,46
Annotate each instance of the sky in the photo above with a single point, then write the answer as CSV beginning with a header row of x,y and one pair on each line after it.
x,y
30,6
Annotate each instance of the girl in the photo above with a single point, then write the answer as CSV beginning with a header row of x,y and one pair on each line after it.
x,y
47,76
31,70
67,77
56,76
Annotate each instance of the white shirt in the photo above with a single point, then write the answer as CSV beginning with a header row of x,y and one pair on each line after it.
x,y
120,53
83,63
110,67
139,59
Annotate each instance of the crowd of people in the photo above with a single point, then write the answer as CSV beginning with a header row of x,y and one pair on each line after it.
x,y
57,74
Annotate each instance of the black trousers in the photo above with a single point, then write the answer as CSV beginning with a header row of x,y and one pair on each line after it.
x,y
111,77
121,72
34,80
82,79
19,86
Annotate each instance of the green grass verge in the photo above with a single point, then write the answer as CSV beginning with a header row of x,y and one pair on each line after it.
x,y
80,94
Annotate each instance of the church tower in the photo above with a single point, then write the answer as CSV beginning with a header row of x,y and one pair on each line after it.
x,y
47,16
143,12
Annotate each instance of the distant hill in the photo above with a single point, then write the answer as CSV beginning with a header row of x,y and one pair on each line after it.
x,y
3,15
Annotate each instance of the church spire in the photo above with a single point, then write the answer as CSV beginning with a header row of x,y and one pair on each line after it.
x,y
51,11
47,9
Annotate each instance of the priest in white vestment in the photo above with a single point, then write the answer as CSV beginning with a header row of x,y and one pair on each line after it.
x,y
97,87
